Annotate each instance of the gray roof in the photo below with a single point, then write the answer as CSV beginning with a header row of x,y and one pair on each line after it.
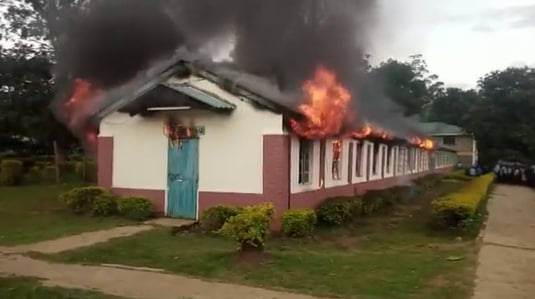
x,y
439,128
201,96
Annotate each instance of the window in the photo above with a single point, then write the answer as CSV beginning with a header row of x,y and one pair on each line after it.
x,y
358,159
388,158
375,168
448,140
305,161
337,160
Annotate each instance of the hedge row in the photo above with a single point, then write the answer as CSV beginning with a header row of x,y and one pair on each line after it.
x,y
14,172
454,208
98,201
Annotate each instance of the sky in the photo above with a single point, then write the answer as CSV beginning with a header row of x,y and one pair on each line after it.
x,y
461,40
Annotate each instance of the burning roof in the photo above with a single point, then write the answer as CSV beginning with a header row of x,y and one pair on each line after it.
x,y
325,109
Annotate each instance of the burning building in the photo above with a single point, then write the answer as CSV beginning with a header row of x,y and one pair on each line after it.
x,y
289,118
194,135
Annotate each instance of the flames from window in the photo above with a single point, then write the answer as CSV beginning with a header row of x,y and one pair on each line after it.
x,y
327,112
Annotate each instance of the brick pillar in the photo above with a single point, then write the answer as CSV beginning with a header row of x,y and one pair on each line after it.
x,y
276,174
105,161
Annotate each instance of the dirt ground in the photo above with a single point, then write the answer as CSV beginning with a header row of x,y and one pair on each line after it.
x,y
129,282
507,257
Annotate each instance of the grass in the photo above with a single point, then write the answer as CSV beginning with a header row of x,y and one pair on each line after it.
x,y
27,288
395,255
33,213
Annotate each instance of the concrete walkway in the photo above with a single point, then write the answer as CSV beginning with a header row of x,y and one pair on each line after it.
x,y
120,280
130,283
77,241
507,257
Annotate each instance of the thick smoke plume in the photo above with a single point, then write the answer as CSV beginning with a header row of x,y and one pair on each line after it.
x,y
110,42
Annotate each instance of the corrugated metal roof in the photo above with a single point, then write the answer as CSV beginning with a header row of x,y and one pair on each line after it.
x,y
438,128
200,96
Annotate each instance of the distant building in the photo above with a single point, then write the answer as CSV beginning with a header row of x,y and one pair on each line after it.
x,y
454,138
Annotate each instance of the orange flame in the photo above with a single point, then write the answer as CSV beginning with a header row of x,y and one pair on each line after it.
x,y
327,108
427,144
364,132
77,110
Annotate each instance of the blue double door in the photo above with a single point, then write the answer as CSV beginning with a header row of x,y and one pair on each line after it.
x,y
183,178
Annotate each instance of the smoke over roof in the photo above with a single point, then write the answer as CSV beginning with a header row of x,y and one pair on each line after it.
x,y
111,42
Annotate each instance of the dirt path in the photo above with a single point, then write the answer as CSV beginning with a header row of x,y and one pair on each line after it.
x,y
77,241
507,257
130,283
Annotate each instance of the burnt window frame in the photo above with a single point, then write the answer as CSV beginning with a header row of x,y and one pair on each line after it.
x,y
359,158
376,156
305,161
337,176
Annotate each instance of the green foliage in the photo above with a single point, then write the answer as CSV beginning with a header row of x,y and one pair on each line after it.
x,y
135,208
407,83
81,200
372,204
299,223
335,211
49,174
11,172
250,227
86,171
452,209
33,175
214,218
105,205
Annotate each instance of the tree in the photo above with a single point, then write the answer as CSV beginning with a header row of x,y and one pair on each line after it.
x,y
26,92
503,119
407,83
453,106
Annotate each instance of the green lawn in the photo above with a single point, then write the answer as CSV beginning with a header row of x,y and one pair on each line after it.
x,y
26,288
33,213
394,255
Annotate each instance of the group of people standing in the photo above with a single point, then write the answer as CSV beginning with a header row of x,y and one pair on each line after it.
x,y
515,173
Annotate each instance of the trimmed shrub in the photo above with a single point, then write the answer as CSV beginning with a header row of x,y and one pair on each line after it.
x,y
49,174
135,208
454,208
68,166
250,227
372,204
86,171
214,218
33,176
298,223
105,205
11,172
335,211
80,200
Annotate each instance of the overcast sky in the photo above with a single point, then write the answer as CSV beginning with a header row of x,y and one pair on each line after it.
x,y
460,39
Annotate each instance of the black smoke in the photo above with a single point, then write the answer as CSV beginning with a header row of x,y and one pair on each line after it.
x,y
110,41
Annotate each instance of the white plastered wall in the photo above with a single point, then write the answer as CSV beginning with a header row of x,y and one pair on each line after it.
x,y
230,152
295,186
329,181
139,151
